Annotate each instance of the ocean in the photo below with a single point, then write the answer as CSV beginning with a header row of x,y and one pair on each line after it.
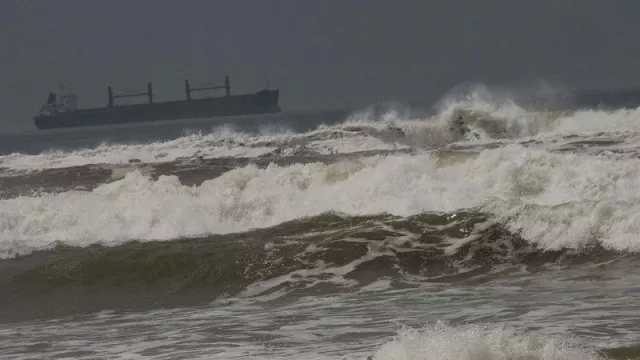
x,y
479,229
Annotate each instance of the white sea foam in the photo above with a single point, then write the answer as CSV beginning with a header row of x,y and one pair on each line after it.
x,y
442,342
220,143
554,200
217,144
492,119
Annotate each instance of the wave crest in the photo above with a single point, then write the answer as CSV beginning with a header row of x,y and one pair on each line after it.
x,y
553,200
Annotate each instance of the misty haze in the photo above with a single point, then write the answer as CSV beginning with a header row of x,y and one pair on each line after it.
x,y
319,179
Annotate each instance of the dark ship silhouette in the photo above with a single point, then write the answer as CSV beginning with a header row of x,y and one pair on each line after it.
x,y
63,112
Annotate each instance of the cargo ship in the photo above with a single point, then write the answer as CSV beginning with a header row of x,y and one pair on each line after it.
x,y
62,111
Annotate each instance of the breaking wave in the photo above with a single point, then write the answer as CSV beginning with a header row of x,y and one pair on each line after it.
x,y
552,200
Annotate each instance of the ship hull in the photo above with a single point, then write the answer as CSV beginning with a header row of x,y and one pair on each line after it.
x,y
263,102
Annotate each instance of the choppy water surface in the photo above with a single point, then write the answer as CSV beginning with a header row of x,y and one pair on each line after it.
x,y
486,231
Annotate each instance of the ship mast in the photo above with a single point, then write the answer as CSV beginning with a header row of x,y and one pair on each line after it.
x,y
148,93
227,87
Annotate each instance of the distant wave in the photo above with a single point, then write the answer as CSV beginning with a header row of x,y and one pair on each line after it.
x,y
476,116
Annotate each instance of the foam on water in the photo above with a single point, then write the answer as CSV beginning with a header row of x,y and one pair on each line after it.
x,y
222,142
442,342
349,326
553,200
210,145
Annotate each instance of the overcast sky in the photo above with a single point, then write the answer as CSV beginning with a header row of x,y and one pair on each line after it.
x,y
321,54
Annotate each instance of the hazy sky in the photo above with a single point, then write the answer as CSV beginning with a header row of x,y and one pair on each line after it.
x,y
321,54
